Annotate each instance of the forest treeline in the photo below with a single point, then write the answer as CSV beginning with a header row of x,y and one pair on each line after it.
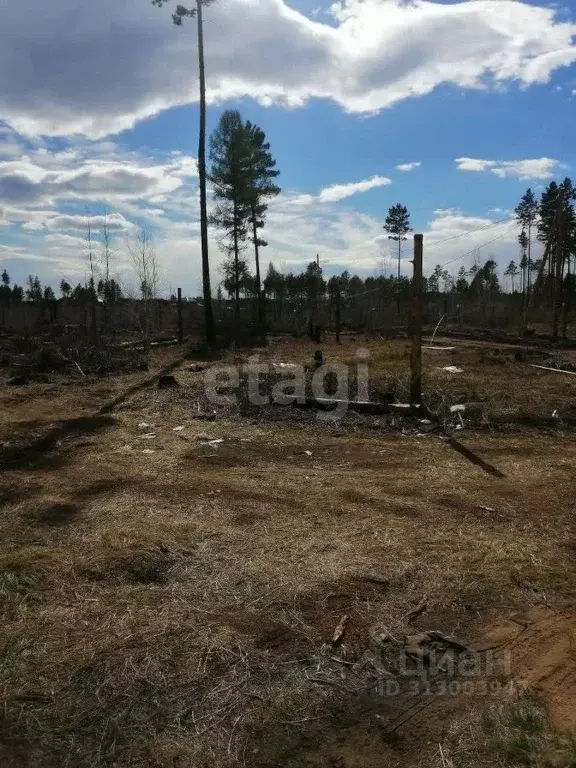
x,y
243,176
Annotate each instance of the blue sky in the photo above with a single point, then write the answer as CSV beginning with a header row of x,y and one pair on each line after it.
x,y
100,113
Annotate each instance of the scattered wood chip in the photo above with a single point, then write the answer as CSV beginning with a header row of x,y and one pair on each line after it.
x,y
339,632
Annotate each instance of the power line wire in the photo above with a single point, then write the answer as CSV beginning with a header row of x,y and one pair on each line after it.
x,y
477,247
471,231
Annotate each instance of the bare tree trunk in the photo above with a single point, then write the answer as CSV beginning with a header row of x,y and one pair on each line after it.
x,y
558,272
93,320
106,236
259,295
236,274
207,293
416,324
145,289
540,275
398,281
524,268
338,310
529,252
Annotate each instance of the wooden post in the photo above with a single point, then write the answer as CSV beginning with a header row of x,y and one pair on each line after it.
x,y
180,328
416,324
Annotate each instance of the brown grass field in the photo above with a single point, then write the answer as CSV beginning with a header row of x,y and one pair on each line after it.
x,y
166,604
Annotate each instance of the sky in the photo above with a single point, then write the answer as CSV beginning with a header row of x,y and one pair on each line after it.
x,y
453,109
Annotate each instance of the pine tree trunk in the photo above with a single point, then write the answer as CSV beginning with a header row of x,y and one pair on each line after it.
x,y
558,282
529,253
524,268
207,293
259,295
398,282
236,274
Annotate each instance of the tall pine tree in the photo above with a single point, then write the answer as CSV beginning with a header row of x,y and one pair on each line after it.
x,y
557,215
526,215
397,225
196,13
230,158
263,171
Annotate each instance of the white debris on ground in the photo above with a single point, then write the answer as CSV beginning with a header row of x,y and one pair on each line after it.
x,y
145,425
177,429
452,369
148,436
443,349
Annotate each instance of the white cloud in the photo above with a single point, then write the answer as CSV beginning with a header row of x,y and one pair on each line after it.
x,y
407,167
336,192
42,177
537,168
114,222
114,64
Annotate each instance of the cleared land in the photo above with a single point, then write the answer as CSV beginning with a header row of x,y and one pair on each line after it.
x,y
168,603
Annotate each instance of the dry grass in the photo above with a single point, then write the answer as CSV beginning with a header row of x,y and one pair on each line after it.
x,y
514,731
173,608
